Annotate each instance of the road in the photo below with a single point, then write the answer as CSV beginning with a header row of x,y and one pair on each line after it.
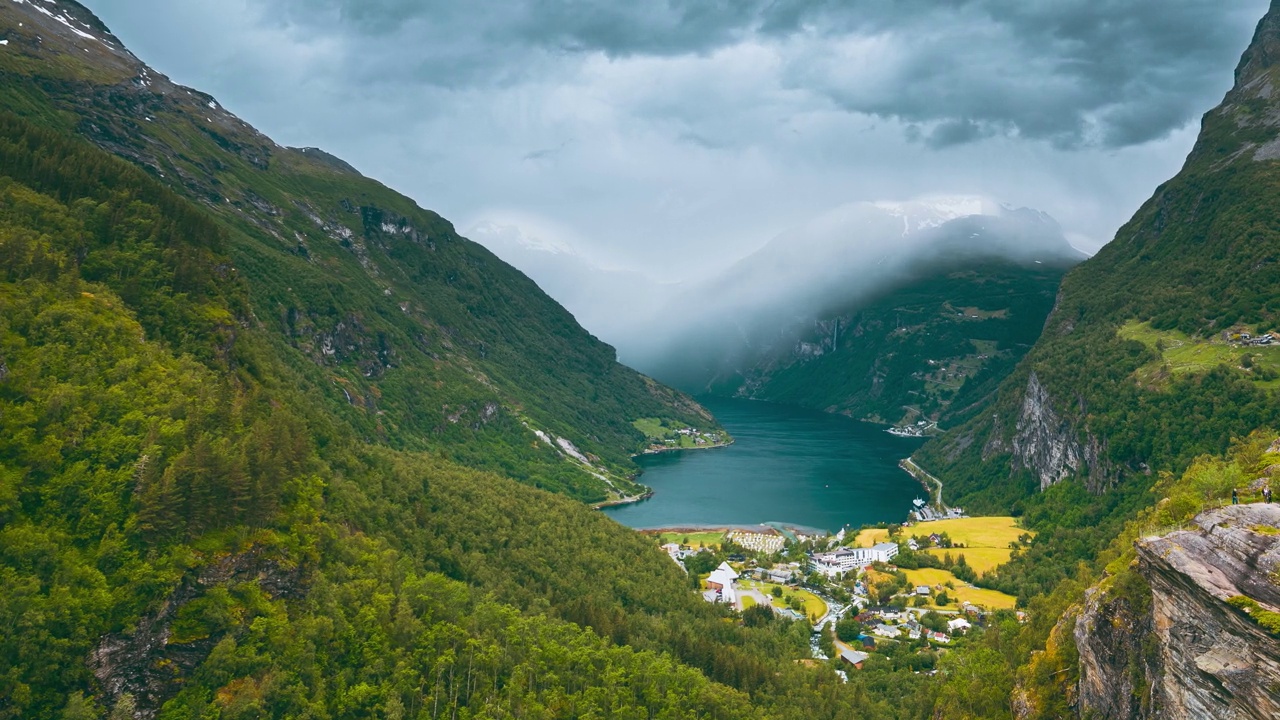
x,y
917,472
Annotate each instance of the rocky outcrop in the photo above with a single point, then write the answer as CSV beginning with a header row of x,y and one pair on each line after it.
x,y
1190,654
1050,446
145,667
1117,658
1217,662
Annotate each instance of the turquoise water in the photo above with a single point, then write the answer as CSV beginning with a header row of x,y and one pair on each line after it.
x,y
789,465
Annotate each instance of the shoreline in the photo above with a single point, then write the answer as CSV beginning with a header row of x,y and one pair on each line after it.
x,y
726,527
923,477
659,451
648,493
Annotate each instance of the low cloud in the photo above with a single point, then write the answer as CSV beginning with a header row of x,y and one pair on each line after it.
x,y
677,136
1071,72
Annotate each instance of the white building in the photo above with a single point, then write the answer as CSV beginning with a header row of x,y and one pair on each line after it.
x,y
846,559
958,625
887,631
721,579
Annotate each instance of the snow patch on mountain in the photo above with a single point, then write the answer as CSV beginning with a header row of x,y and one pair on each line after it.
x,y
70,23
932,212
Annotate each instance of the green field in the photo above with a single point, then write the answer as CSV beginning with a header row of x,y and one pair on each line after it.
x,y
660,431
653,428
1181,354
990,599
710,538
870,536
986,540
980,559
814,606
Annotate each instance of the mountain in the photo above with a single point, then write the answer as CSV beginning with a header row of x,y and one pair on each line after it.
x,y
1136,371
931,349
883,311
227,488
415,335
1123,439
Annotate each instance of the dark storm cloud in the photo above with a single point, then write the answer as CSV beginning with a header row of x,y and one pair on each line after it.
x,y
1108,73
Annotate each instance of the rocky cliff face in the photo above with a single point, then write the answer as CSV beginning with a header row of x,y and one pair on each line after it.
x,y
147,666
1191,654
1117,655
1051,447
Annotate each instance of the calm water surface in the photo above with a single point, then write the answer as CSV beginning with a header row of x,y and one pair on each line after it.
x,y
789,465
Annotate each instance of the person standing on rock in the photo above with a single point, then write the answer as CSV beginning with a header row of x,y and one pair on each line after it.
x,y
1235,498
1266,494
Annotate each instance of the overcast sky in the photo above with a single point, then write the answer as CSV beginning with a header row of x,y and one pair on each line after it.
x,y
675,135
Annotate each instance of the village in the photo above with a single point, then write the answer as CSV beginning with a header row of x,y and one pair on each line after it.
x,y
866,594
666,435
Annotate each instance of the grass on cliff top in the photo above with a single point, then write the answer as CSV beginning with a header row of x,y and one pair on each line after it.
x,y
1181,354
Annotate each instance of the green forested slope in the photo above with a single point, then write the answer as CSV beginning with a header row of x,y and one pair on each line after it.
x,y
417,337
1196,263
165,474
196,522
933,348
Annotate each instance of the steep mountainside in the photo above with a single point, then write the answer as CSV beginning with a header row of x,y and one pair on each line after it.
x,y
1185,621
889,311
1139,369
932,349
414,335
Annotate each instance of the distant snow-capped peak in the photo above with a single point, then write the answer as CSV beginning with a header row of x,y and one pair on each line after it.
x,y
935,211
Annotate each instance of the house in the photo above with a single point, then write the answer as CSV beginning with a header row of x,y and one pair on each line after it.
x,y
787,613
922,590
940,637
888,631
958,625
781,576
935,538
854,657
913,544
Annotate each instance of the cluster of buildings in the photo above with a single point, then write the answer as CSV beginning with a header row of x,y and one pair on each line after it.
x,y
1248,339
846,559
677,553
759,542
891,625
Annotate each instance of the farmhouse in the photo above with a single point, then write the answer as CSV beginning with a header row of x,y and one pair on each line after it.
x,y
854,657
888,631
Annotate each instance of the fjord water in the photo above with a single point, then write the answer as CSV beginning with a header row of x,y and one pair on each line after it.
x,y
790,465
